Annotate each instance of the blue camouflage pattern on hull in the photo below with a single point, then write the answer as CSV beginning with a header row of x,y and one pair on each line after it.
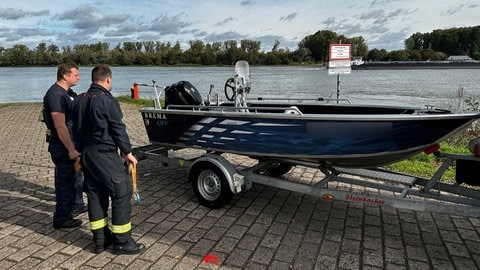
x,y
297,137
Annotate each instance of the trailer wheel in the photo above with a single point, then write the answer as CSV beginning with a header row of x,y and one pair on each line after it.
x,y
210,185
279,169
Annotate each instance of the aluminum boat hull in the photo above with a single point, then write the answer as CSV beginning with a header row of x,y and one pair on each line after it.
x,y
341,135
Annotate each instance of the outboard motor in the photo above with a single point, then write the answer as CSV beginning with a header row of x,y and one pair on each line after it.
x,y
182,93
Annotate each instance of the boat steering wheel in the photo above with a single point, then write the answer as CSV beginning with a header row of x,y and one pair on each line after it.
x,y
230,87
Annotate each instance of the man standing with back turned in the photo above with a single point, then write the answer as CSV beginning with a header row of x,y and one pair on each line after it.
x,y
104,171
57,105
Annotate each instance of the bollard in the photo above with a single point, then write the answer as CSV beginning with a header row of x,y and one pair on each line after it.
x,y
134,91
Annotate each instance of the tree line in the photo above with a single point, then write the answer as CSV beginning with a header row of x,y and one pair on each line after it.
x,y
312,49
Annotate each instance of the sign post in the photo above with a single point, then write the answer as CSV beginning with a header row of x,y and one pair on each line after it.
x,y
339,62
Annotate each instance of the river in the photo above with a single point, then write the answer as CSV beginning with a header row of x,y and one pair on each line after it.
x,y
392,87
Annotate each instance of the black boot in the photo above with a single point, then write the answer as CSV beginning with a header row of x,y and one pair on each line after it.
x,y
102,239
130,247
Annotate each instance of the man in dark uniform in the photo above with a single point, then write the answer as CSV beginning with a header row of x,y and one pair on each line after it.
x,y
68,188
104,171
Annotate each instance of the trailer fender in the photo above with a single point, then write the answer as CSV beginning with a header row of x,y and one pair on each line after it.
x,y
235,180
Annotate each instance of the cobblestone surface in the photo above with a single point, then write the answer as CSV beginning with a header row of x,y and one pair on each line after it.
x,y
264,228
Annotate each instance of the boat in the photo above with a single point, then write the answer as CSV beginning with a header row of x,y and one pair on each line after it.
x,y
374,65
291,131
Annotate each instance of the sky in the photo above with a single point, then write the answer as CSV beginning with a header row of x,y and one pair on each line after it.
x,y
384,24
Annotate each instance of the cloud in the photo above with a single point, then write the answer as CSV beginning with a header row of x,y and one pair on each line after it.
x,y
457,9
15,13
229,19
218,21
383,2
267,42
16,35
125,30
169,25
289,17
373,14
247,3
229,35
388,39
88,17
329,21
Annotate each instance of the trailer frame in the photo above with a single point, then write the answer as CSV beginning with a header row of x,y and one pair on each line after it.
x,y
215,180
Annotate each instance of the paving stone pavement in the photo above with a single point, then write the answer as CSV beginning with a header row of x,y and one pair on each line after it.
x,y
264,228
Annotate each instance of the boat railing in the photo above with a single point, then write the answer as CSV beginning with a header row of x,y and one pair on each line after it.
x,y
254,109
317,100
158,92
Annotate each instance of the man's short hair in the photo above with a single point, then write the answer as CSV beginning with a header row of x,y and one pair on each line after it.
x,y
100,73
65,69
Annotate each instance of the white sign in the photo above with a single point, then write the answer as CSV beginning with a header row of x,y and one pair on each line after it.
x,y
339,70
340,52
339,63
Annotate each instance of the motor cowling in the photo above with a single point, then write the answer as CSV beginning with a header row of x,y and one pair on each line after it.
x,y
182,93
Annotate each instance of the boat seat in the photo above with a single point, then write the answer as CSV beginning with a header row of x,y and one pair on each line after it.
x,y
293,110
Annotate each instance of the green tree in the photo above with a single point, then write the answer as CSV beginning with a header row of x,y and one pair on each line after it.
x,y
161,52
278,56
193,55
175,55
414,55
41,54
429,55
416,42
2,56
231,52
302,55
213,52
83,54
250,50
18,55
359,46
375,55
319,44
53,55
67,54
398,55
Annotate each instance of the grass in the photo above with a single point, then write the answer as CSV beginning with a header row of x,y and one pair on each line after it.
x,y
426,165
139,102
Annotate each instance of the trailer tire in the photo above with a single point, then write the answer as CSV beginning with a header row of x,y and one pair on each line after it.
x,y
210,185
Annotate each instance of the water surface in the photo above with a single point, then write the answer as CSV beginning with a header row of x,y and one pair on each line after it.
x,y
393,87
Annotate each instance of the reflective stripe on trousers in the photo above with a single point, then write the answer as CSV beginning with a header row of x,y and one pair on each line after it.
x,y
125,228
98,224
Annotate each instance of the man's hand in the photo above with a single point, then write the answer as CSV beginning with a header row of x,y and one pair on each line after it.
x,y
131,159
73,154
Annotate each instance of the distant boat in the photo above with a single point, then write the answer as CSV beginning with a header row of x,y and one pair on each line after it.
x,y
452,62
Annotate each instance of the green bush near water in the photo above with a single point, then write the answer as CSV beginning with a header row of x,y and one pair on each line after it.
x,y
426,165
139,102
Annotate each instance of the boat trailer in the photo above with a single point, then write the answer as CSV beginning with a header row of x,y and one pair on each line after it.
x,y
216,178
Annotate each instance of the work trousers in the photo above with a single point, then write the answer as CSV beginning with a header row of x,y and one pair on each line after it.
x,y
66,187
106,179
